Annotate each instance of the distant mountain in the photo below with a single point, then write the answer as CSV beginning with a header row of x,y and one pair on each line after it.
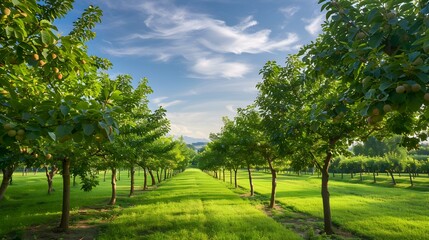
x,y
190,140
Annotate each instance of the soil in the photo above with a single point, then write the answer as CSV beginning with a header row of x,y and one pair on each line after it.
x,y
305,225
84,225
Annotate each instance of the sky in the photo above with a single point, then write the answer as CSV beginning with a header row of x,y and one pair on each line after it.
x,y
201,57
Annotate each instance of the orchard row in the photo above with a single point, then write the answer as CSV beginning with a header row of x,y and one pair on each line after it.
x,y
60,110
367,74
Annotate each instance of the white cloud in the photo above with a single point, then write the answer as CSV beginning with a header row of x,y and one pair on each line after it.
x,y
158,99
230,108
289,11
169,104
191,123
220,67
314,26
201,40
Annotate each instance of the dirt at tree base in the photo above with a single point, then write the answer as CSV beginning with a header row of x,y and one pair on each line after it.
x,y
305,225
84,225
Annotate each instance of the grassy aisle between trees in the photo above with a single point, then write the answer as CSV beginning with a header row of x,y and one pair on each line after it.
x,y
378,211
27,203
193,205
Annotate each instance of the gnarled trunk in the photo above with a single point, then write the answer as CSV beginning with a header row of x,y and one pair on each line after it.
x,y
65,214
113,182
152,178
50,177
7,176
391,175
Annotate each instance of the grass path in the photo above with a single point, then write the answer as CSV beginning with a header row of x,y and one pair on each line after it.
x,y
193,205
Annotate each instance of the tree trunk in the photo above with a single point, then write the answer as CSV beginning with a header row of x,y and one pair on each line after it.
x,y
152,178
393,178
113,182
230,176
65,215
325,196
157,176
273,184
7,176
104,177
50,176
373,174
74,180
165,174
235,178
145,179
250,181
223,174
132,171
411,179
119,175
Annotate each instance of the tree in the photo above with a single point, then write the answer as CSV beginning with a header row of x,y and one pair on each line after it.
x,y
49,82
308,118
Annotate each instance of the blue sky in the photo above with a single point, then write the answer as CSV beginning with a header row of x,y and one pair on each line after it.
x,y
202,57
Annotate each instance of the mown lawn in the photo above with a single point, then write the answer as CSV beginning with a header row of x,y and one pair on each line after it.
x,y
376,211
193,205
27,203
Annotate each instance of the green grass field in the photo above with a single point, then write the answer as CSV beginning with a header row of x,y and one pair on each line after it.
x,y
27,202
375,211
192,205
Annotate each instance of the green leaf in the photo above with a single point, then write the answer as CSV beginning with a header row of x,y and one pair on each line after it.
x,y
9,31
46,37
375,40
52,135
88,129
64,110
413,56
116,95
385,85
82,106
63,130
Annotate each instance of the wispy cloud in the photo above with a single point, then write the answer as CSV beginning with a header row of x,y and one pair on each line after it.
x,y
289,11
230,108
314,26
191,124
204,42
169,104
219,67
158,99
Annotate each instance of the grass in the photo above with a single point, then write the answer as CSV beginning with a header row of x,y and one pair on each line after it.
x,y
27,203
192,205
374,211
